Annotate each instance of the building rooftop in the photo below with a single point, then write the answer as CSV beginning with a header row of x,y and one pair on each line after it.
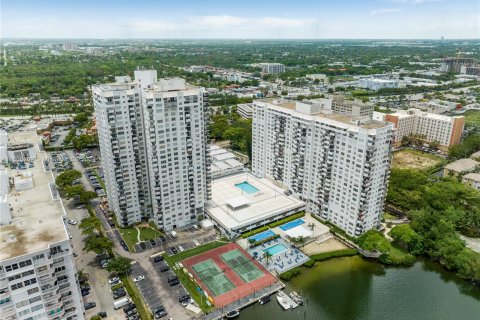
x,y
413,111
348,121
462,165
37,219
256,206
472,176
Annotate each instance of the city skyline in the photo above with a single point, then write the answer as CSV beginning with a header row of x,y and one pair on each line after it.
x,y
370,19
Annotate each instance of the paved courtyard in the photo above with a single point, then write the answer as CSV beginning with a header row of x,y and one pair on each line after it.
x,y
285,256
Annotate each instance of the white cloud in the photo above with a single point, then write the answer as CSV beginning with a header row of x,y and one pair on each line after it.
x,y
382,11
414,1
224,21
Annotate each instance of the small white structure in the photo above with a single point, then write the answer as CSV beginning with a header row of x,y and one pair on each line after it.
x,y
223,162
242,202
207,224
299,231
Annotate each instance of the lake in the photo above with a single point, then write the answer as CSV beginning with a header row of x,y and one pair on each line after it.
x,y
354,288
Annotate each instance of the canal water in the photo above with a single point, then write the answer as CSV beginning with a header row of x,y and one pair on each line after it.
x,y
353,288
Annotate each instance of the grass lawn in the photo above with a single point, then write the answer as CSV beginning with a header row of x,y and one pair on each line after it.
x,y
129,235
472,117
387,215
414,159
190,285
136,297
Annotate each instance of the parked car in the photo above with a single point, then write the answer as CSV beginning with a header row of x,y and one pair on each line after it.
x,y
129,307
174,250
184,298
85,293
159,309
158,259
160,314
152,242
164,269
119,295
139,278
181,249
114,279
72,222
131,312
143,245
90,305
102,314
196,243
195,227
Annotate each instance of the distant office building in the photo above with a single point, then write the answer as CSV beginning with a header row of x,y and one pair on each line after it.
x,y
37,268
338,164
317,76
70,46
456,64
245,110
272,68
351,107
377,84
153,142
445,130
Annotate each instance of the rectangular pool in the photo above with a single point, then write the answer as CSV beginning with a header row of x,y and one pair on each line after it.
x,y
262,235
276,249
246,187
291,224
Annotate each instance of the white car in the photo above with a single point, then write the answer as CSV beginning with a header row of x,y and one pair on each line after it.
x,y
72,222
196,243
113,280
195,227
139,278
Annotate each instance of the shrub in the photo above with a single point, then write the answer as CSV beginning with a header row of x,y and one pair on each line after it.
x,y
334,254
287,219
309,263
290,274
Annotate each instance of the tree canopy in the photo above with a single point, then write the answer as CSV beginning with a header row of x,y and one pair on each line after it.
x,y
373,241
98,244
119,265
66,178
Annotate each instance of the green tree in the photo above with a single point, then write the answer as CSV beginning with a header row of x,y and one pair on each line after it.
x,y
407,238
90,225
119,265
81,118
86,196
96,317
373,241
66,178
72,191
98,244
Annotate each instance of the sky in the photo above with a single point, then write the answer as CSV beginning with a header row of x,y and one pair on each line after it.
x,y
241,19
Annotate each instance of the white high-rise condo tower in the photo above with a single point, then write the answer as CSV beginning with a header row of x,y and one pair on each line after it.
x,y
153,142
338,163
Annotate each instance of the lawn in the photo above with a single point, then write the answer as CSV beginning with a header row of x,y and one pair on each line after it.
x,y
387,215
414,159
130,235
190,285
472,117
136,297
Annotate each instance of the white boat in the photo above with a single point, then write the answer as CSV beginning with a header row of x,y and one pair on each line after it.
x,y
232,314
283,300
296,297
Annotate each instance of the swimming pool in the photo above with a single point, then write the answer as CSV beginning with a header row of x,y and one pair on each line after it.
x,y
276,249
291,224
247,187
262,235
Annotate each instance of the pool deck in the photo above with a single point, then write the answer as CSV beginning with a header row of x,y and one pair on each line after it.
x,y
281,262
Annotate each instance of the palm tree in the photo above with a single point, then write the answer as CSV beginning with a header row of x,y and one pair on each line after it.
x,y
251,242
267,256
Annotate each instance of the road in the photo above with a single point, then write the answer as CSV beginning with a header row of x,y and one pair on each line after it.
x,y
472,243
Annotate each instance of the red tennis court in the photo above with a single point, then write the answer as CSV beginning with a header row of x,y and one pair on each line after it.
x,y
228,273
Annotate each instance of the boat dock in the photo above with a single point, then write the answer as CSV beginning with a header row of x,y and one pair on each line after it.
x,y
244,302
286,297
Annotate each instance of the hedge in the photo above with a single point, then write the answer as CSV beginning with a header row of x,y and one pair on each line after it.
x,y
287,219
257,243
287,275
273,224
334,254
254,232
309,263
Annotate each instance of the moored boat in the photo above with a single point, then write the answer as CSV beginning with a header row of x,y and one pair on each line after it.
x,y
296,297
232,314
264,300
283,301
